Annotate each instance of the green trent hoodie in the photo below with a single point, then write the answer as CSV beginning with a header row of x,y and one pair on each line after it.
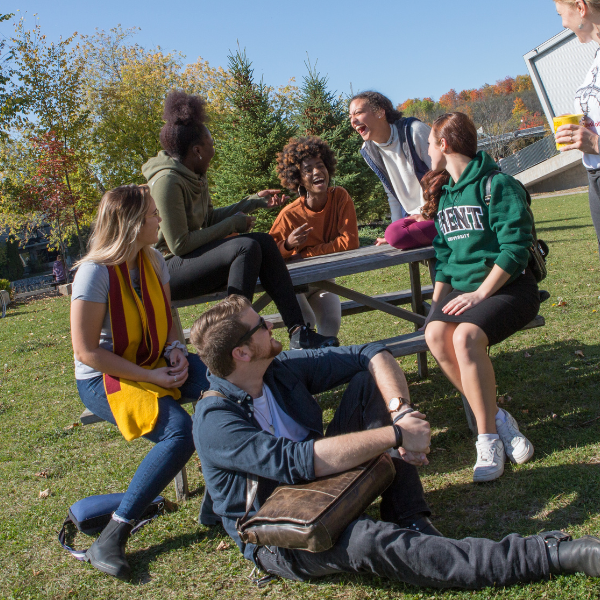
x,y
473,237
183,201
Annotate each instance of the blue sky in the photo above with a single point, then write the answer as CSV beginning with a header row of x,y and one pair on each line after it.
x,y
403,48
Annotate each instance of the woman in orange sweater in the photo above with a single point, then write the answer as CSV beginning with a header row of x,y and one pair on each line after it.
x,y
321,221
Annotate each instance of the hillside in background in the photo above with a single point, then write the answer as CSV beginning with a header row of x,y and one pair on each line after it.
x,y
508,105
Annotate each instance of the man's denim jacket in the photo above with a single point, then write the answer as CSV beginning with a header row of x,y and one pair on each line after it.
x,y
231,444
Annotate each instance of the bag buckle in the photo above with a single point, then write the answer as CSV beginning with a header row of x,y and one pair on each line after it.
x,y
260,581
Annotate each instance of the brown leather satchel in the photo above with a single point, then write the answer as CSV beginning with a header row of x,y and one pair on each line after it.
x,y
312,515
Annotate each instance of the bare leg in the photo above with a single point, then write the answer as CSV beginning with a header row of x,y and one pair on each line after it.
x,y
439,338
477,374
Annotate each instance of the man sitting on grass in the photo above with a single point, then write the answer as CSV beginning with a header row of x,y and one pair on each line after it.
x,y
269,425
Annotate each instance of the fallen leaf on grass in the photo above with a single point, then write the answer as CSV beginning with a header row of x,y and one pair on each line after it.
x,y
573,369
170,506
561,303
43,473
579,353
45,493
525,410
527,355
504,399
554,416
71,426
223,545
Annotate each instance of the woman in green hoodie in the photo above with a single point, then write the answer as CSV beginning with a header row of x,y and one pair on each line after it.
x,y
484,290
193,236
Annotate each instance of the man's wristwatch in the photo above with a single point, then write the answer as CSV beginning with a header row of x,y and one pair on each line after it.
x,y
394,404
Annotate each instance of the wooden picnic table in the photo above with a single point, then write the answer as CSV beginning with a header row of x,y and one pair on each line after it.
x,y
320,270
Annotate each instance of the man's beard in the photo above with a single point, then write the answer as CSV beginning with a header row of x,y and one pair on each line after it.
x,y
272,352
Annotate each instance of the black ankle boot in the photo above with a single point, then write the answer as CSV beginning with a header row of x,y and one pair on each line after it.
x,y
566,555
107,553
421,524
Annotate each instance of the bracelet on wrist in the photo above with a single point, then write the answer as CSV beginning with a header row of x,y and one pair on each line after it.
x,y
403,414
398,432
176,344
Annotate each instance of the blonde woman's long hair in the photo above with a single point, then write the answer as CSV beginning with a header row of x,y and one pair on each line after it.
x,y
593,4
121,214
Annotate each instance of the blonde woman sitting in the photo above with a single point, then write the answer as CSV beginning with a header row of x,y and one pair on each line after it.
x,y
130,368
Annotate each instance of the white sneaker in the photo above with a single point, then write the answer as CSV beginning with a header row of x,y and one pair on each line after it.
x,y
517,447
490,460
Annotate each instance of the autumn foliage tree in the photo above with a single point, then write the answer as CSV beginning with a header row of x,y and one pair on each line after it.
x,y
48,195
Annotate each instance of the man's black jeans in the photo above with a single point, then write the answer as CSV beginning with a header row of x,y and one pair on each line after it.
x,y
385,549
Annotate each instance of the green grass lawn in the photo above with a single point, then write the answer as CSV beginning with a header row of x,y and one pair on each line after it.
x,y
550,387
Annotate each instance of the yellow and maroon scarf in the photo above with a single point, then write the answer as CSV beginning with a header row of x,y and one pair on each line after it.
x,y
140,327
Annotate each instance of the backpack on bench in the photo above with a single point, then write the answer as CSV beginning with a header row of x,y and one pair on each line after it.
x,y
538,251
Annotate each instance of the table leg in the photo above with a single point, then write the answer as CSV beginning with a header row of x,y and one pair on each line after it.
x,y
262,302
417,306
431,263
177,324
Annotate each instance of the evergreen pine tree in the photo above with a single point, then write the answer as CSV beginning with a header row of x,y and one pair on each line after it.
x,y
253,133
323,114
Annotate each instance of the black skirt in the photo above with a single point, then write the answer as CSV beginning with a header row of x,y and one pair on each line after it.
x,y
500,315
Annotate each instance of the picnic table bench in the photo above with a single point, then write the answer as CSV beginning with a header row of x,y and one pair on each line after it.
x,y
319,271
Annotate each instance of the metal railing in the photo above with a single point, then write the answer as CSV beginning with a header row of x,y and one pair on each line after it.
x,y
529,156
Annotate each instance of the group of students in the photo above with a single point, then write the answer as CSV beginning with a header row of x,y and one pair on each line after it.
x,y
165,240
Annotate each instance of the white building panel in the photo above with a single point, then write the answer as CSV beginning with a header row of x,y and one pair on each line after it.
x,y
557,68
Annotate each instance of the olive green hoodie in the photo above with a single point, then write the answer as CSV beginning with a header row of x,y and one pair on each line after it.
x,y
183,201
473,237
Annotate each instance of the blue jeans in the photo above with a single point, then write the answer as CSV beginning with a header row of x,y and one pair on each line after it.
x,y
172,436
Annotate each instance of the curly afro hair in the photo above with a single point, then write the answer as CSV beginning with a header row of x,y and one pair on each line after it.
x,y
290,159
185,117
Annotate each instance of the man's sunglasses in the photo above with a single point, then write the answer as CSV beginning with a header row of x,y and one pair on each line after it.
x,y
247,336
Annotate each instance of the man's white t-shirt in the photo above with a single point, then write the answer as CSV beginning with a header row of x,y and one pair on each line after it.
x,y
268,414
587,101
400,170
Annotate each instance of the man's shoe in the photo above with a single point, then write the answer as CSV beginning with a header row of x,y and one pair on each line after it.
x,y
490,460
422,525
573,556
516,446
107,553
305,338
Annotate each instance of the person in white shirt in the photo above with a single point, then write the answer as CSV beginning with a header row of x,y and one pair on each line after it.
x,y
583,19
395,148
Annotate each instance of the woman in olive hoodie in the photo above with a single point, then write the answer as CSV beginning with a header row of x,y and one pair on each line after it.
x,y
484,290
193,234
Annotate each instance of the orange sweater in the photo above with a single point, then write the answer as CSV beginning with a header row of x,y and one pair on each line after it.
x,y
334,228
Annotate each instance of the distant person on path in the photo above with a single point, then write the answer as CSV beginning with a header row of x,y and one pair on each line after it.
x,y
321,221
583,19
266,423
395,148
484,290
130,368
193,236
58,270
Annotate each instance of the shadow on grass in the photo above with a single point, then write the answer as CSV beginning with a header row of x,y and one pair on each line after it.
x,y
524,500
140,560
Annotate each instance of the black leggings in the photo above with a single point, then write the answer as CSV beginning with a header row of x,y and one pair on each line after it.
x,y
236,262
